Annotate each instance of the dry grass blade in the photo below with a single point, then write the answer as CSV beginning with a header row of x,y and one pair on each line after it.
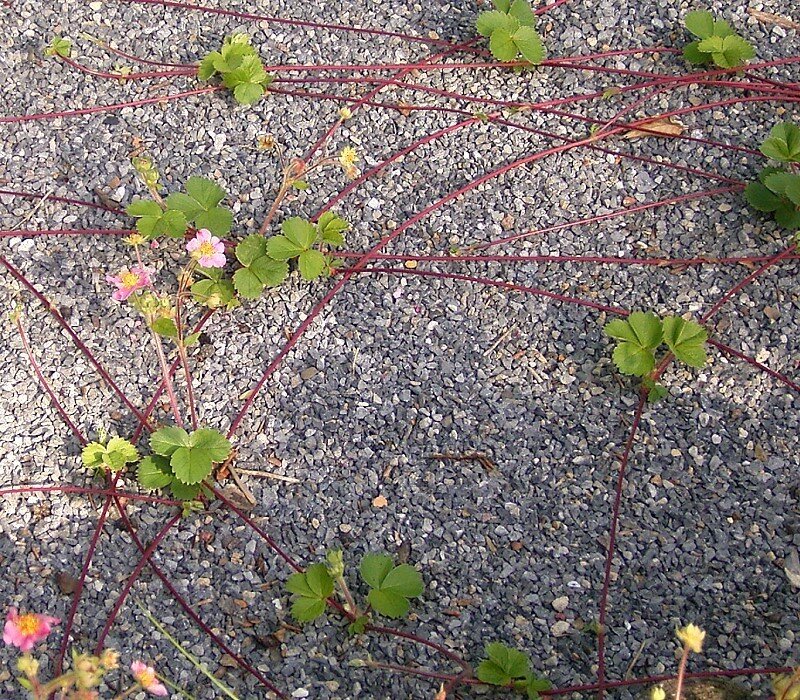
x,y
657,127
777,20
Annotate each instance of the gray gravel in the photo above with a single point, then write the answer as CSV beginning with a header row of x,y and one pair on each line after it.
x,y
406,367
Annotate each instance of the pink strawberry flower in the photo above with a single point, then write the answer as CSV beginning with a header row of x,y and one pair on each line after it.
x,y
146,677
208,250
26,630
128,281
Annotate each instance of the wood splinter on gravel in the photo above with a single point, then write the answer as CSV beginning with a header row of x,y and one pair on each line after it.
x,y
480,457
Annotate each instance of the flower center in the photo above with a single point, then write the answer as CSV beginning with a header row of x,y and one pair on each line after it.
x,y
28,624
129,279
206,248
146,677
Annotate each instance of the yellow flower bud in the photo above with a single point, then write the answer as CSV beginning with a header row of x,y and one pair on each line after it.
x,y
657,693
28,665
692,637
345,113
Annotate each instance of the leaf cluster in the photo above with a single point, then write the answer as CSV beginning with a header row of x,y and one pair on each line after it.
x,y
199,207
716,43
511,29
639,336
182,460
238,65
390,587
59,46
112,456
510,668
213,290
306,243
777,189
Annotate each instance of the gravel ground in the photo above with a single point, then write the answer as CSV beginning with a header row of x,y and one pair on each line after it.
x,y
399,368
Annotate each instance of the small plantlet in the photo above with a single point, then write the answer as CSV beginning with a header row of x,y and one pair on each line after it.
x,y
510,668
182,460
239,67
112,456
639,336
258,270
59,46
716,43
511,29
778,189
305,242
391,588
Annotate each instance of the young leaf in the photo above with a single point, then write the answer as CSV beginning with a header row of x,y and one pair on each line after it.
x,y
214,293
535,685
637,337
184,492
503,5
200,205
59,46
113,456
248,93
761,198
521,11
154,472
503,665
310,590
783,143
700,23
193,462
331,229
165,327
491,21
392,586
655,392
502,45
299,231
686,339
693,54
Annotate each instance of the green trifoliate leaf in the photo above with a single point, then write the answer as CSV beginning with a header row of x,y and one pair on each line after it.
x,y
700,23
113,456
251,248
686,339
391,586
535,685
200,205
502,665
693,54
299,231
166,440
310,590
788,215
165,327
260,270
502,5
59,46
184,492
248,93
154,472
214,293
723,29
735,51
193,462
152,222
783,143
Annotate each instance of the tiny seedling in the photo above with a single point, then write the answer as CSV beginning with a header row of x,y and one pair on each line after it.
x,y
59,46
111,456
306,243
239,67
716,43
510,668
640,335
511,30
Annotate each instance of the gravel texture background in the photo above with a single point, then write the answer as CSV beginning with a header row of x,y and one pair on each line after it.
x,y
399,368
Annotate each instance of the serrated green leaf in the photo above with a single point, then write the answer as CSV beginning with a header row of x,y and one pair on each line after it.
x,y
218,220
490,673
404,580
502,45
92,454
693,54
123,448
154,472
311,264
205,192
632,358
319,580
165,441
735,51
299,231
359,625
271,272
143,207
711,45
307,609
248,93
502,5
59,46
281,248
521,11
536,685
247,283
213,293
207,69
783,143
489,22
514,663
252,247
686,340
331,228
184,492
640,328
190,466
700,23
787,215
723,29
760,197
191,339
374,569
388,603
529,45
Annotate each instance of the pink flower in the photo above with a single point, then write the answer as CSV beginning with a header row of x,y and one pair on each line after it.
x,y
208,250
146,677
128,281
25,630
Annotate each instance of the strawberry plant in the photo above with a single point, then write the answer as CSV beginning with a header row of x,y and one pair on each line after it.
x,y
778,189
239,67
510,668
511,29
716,43
642,333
